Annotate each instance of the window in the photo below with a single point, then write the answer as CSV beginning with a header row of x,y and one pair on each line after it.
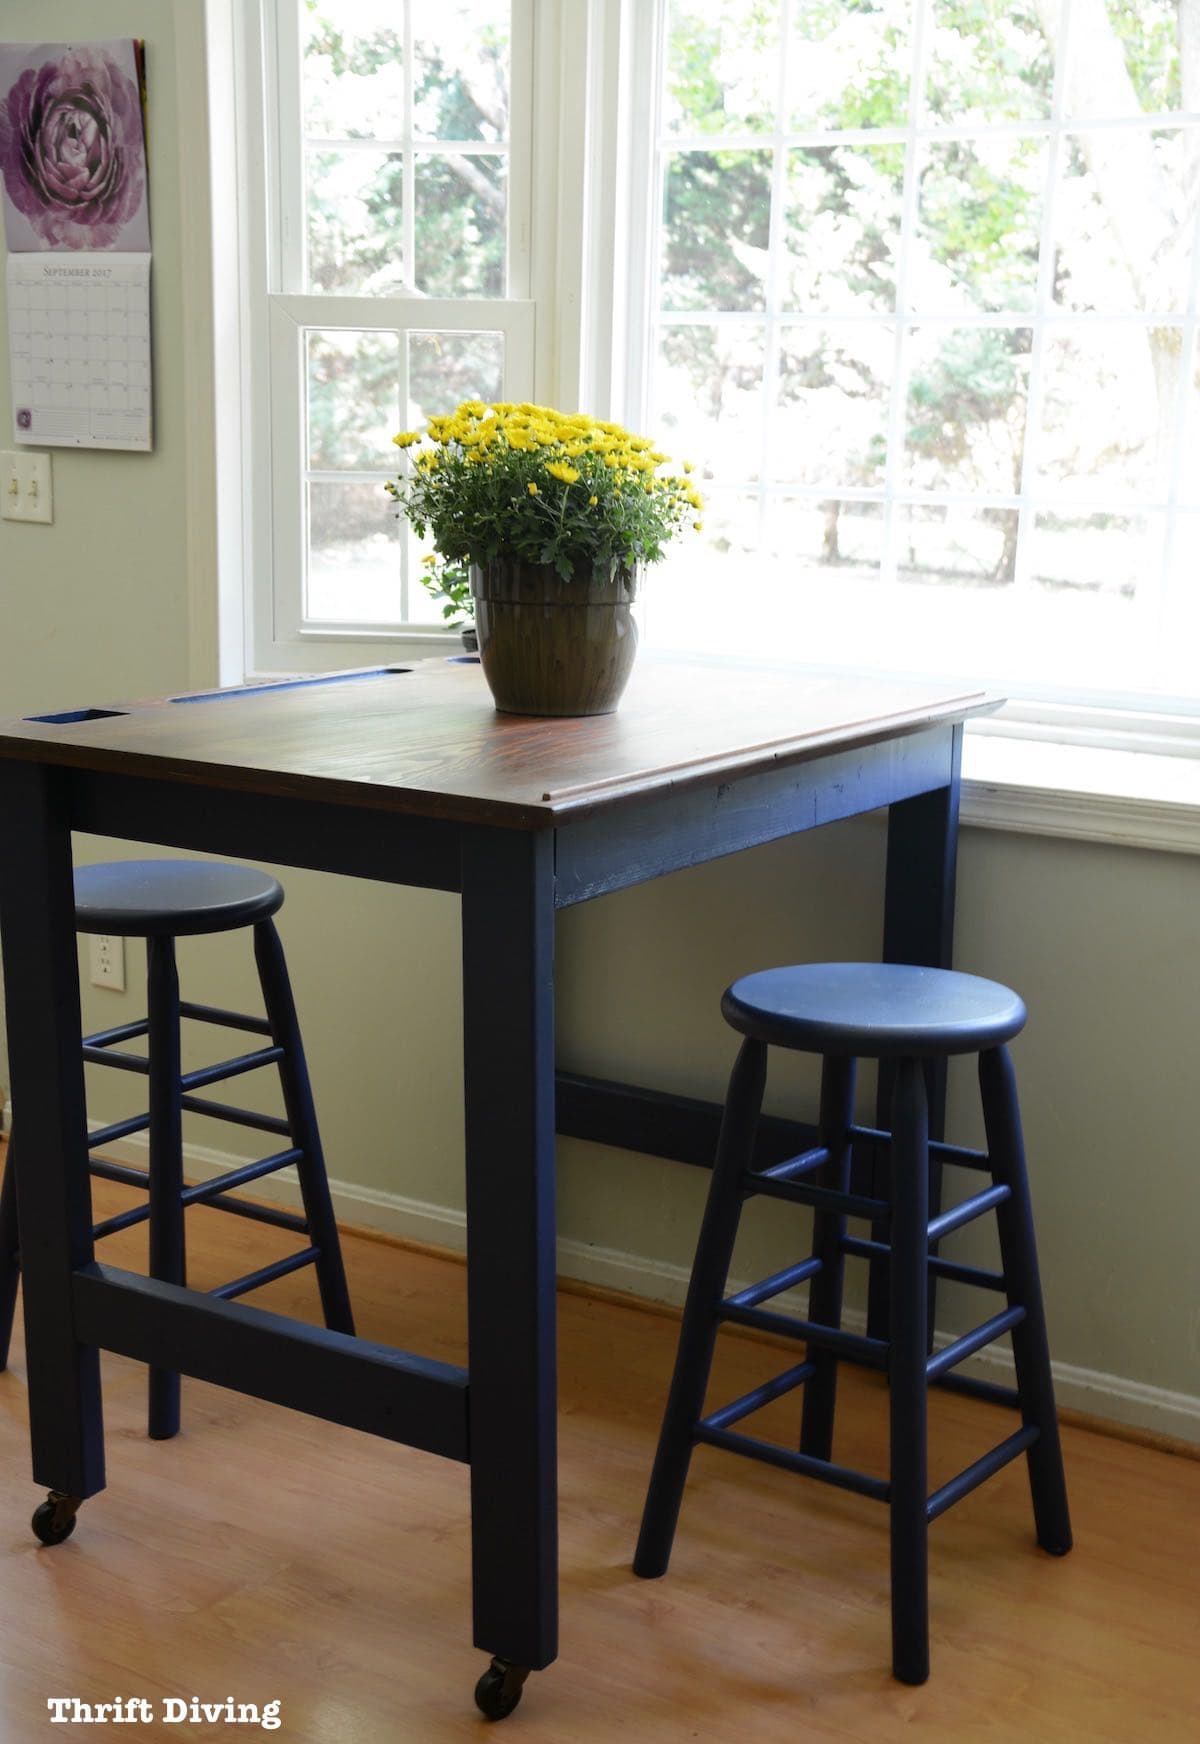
x,y
915,282
922,289
394,187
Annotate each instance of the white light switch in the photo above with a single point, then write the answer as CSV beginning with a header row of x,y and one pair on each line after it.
x,y
25,490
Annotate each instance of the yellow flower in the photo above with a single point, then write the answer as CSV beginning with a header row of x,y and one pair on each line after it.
x,y
688,467
406,438
699,526
532,488
560,469
430,558
592,501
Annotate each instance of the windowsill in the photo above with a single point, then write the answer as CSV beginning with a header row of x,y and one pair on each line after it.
x,y
1035,786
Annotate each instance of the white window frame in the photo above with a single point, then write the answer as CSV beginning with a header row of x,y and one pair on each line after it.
x,y
1087,717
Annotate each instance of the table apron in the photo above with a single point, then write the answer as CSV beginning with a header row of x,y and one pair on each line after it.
x,y
385,1392
669,831
358,842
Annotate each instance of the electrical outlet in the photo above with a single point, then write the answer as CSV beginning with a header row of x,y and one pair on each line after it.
x,y
107,955
25,489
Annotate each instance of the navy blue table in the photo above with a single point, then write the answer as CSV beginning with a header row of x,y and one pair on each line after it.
x,y
411,777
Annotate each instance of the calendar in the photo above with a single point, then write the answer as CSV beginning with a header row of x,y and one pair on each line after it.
x,y
79,341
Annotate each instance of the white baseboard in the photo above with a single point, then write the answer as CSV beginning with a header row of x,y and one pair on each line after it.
x,y
1101,1395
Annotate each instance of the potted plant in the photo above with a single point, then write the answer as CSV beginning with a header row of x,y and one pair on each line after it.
x,y
554,516
451,584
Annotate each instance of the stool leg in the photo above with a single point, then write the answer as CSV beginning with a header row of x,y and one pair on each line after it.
x,y
1018,1253
302,1119
829,1231
10,1254
908,1315
167,1256
698,1333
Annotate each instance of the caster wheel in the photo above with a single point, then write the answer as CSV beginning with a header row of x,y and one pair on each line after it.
x,y
499,1689
54,1521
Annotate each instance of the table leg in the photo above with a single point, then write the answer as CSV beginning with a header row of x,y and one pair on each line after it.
x,y
918,927
508,1057
37,911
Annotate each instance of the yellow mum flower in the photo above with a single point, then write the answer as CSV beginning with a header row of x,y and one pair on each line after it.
x,y
406,438
560,469
699,526
532,488
592,501
430,558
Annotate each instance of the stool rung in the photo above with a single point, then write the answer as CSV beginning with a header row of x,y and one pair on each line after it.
x,y
974,1275
948,1153
106,1056
802,1164
267,1274
757,1397
775,1284
119,1129
970,1342
124,1032
226,1019
853,1346
261,1213
820,1198
123,1220
231,1068
980,1470
992,1392
119,1172
206,1190
239,1116
967,1210
824,1470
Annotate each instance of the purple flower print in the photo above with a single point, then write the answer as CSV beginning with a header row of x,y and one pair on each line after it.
x,y
71,149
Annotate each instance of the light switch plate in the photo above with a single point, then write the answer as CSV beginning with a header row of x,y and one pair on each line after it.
x,y
25,489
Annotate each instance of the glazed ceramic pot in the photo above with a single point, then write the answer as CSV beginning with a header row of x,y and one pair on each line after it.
x,y
554,647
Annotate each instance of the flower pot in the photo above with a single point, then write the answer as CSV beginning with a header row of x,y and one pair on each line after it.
x,y
554,647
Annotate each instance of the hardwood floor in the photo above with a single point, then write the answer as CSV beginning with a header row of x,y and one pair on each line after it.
x,y
267,1557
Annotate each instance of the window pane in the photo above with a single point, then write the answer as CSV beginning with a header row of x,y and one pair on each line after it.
x,y
832,401
709,397
843,228
722,71
952,545
980,208
1124,58
1096,554
353,554
353,400
460,225
832,540
1189,460
965,414
990,60
716,226
1111,402
446,368
355,228
848,66
353,85
461,68
1126,218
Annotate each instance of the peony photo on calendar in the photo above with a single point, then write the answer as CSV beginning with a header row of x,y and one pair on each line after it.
x,y
73,147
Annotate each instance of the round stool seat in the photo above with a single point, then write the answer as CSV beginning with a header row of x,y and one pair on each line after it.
x,y
874,1010
171,898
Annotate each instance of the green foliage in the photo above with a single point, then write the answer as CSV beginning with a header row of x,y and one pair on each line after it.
x,y
449,584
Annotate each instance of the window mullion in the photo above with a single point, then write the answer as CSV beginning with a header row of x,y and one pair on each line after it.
x,y
889,566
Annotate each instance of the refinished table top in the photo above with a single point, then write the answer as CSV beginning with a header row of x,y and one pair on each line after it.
x,y
427,739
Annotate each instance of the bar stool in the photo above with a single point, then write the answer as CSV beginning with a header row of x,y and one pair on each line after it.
x,y
909,1017
160,901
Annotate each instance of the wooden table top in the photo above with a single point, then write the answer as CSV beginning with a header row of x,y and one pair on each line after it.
x,y
427,739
